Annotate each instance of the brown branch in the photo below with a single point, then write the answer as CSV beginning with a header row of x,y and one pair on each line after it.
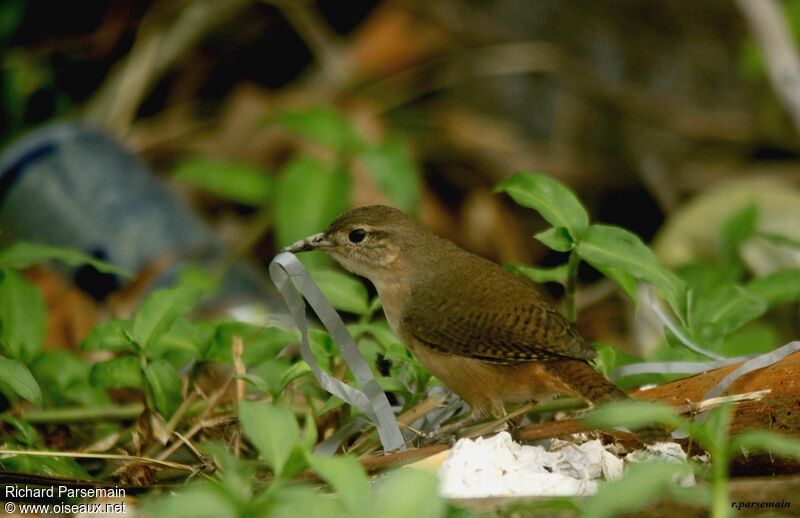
x,y
532,57
157,48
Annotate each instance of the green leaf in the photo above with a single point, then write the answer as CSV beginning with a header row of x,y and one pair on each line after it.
x,y
736,230
64,378
270,374
22,317
273,431
50,466
556,203
332,403
257,381
199,500
323,347
295,371
344,292
389,384
309,196
556,238
391,167
701,276
261,343
633,415
624,280
310,435
22,255
123,371
606,246
26,434
159,312
320,124
347,477
777,288
113,335
755,338
780,240
541,275
378,329
408,492
238,476
642,484
768,442
16,375
11,14
712,433
299,501
720,310
610,357
164,386
183,342
240,183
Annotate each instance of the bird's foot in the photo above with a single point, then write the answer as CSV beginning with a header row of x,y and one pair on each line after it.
x,y
449,431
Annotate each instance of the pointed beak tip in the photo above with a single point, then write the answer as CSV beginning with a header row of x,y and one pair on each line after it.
x,y
304,245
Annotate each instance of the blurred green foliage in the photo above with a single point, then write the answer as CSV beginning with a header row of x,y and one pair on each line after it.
x,y
718,304
160,353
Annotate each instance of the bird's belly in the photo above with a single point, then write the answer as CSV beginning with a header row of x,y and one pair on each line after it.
x,y
485,386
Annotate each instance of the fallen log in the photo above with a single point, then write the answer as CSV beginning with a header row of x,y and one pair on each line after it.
x,y
778,410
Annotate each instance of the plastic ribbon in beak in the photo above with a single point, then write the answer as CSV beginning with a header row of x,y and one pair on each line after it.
x,y
294,283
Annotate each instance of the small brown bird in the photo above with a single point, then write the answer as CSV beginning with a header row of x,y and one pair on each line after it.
x,y
485,332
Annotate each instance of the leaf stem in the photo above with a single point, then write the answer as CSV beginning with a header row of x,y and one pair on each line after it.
x,y
84,414
571,286
720,502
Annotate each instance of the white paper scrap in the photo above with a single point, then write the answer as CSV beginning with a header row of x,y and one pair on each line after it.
x,y
497,466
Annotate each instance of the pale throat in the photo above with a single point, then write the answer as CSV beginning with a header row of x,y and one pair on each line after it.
x,y
390,278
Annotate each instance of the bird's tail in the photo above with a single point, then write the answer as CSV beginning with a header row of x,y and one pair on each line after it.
x,y
592,386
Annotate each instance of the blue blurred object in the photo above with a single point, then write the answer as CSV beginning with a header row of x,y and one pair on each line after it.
x,y
73,186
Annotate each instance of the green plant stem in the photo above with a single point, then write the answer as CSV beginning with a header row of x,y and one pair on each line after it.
x,y
720,501
565,404
571,285
84,414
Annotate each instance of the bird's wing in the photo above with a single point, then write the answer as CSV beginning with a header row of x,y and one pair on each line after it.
x,y
505,324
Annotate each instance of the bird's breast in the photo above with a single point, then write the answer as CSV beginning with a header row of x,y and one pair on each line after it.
x,y
394,297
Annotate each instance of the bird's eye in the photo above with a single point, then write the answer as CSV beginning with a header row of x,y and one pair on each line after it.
x,y
357,235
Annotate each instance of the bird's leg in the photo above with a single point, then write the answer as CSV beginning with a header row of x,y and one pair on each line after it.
x,y
513,418
479,412
450,429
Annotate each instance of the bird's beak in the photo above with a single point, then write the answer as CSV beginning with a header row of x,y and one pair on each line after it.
x,y
310,243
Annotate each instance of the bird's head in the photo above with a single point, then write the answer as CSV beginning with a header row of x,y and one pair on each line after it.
x,y
370,241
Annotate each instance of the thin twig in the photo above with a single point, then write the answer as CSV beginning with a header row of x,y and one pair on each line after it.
x,y
492,426
317,34
189,445
237,350
211,405
378,462
534,57
107,456
550,429
406,418
157,48
173,422
206,423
